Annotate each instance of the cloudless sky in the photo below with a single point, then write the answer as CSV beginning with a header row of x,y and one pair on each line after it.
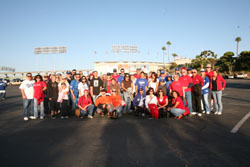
x,y
85,26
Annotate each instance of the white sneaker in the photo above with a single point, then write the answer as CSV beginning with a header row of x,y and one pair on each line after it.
x,y
216,112
41,117
62,117
219,113
203,112
66,117
207,113
143,114
194,113
32,117
90,116
199,114
25,118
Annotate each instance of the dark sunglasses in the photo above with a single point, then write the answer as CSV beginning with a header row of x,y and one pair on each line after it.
x,y
29,76
193,72
113,91
160,91
45,77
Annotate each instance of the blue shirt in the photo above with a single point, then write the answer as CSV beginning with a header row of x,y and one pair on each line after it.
x,y
162,79
74,87
2,85
120,79
141,83
206,90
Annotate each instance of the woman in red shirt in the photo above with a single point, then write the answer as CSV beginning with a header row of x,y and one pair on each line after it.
x,y
178,108
85,104
39,87
162,103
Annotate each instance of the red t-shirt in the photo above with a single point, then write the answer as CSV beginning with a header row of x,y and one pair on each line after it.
x,y
180,105
209,75
177,86
137,76
163,102
38,90
186,80
109,83
115,76
84,101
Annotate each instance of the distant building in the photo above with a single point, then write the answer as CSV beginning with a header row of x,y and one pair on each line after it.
x,y
182,61
129,66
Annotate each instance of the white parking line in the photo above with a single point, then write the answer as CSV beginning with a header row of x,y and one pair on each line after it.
x,y
239,124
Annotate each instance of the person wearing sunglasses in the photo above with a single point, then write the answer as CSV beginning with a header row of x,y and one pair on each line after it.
x,y
115,105
39,87
27,92
127,86
162,100
83,85
75,92
196,93
103,102
187,84
178,107
151,103
139,103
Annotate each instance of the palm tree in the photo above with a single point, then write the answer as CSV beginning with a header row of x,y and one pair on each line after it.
x,y
163,50
238,39
168,43
174,55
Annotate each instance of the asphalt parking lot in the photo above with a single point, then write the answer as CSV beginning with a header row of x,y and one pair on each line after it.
x,y
129,141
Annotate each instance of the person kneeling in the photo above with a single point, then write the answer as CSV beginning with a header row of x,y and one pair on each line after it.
x,y
85,104
116,104
102,102
139,103
178,108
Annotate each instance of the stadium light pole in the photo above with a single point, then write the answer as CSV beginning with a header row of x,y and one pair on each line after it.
x,y
124,49
51,50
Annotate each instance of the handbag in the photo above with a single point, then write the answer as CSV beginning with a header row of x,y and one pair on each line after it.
x,y
77,112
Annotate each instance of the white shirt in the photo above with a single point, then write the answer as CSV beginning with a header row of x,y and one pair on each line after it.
x,y
82,87
150,101
153,85
66,97
27,86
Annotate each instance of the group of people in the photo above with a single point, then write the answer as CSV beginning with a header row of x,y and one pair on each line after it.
x,y
156,94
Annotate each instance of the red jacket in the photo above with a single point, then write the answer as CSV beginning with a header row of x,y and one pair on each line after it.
x,y
221,83
84,102
196,80
186,80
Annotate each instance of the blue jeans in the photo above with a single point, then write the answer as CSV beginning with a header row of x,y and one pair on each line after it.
x,y
2,95
188,96
74,102
217,98
28,107
118,110
205,102
126,109
36,108
177,111
90,110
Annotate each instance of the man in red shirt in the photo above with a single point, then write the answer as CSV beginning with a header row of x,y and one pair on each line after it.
x,y
115,74
196,92
138,73
177,85
187,83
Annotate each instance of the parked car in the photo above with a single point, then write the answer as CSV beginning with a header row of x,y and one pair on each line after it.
x,y
241,75
230,76
16,81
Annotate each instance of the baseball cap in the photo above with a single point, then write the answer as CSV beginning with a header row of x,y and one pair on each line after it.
x,y
202,70
162,72
68,72
177,69
189,69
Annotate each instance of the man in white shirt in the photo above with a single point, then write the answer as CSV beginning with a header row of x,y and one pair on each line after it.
x,y
27,91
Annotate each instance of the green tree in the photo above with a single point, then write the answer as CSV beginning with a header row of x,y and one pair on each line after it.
x,y
238,39
163,54
168,43
205,57
173,65
226,62
174,55
243,61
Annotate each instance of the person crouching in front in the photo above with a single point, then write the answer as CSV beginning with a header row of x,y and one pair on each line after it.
x,y
178,108
85,104
116,104
102,103
151,103
139,103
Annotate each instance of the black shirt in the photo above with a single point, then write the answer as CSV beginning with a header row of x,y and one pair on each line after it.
x,y
96,83
214,84
52,90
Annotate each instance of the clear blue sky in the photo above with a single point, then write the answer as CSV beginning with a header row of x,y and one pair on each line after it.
x,y
85,26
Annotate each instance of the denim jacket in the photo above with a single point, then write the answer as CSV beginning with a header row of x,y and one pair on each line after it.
x,y
137,99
